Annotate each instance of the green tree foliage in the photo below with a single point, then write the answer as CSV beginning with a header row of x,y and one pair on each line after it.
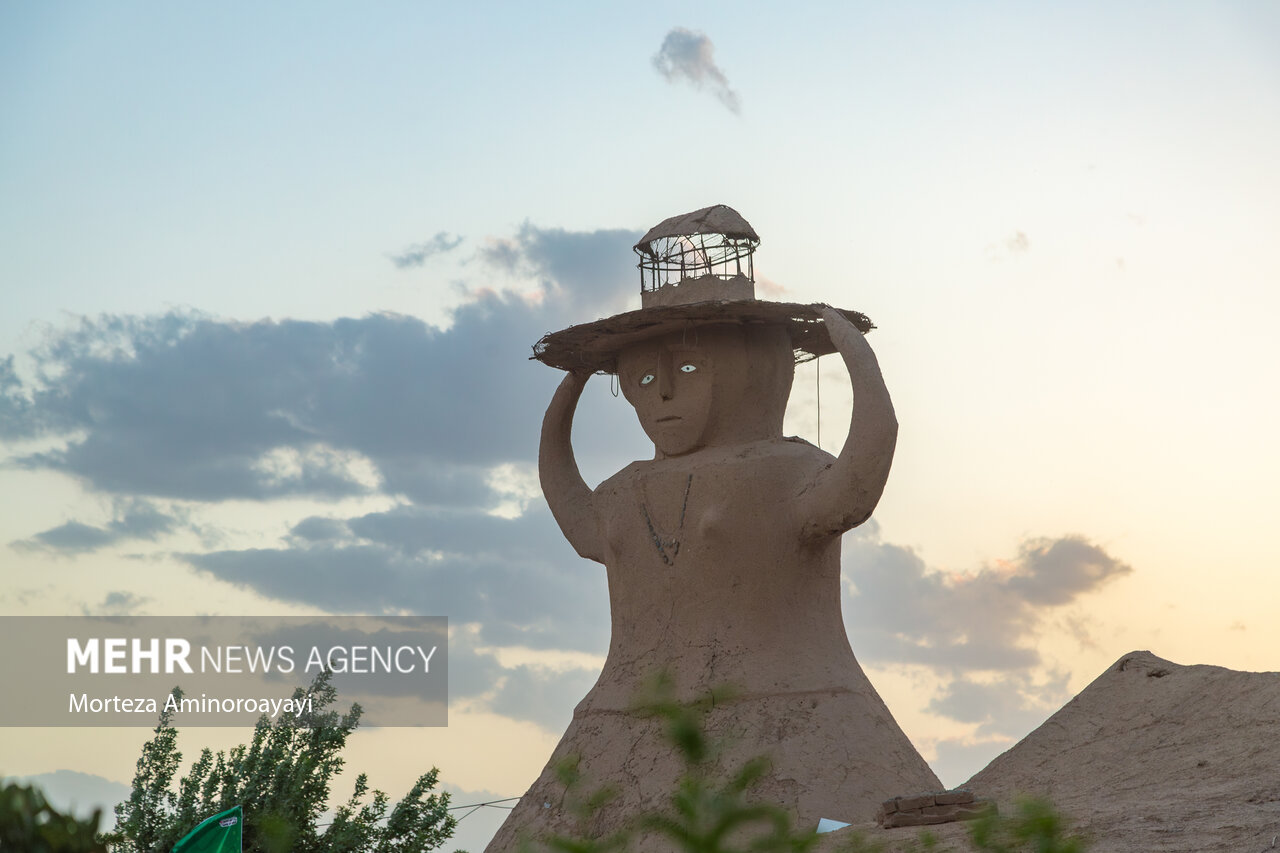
x,y
28,823
281,778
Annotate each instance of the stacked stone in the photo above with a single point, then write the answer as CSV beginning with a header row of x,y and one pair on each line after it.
x,y
930,809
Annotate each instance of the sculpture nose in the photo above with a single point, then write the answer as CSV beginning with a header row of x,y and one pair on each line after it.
x,y
666,388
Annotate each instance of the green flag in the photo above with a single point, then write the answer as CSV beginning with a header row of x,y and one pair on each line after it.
x,y
219,834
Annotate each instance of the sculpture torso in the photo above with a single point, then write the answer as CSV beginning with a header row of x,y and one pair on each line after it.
x,y
709,576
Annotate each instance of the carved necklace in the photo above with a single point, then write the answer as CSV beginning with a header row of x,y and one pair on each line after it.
x,y
668,546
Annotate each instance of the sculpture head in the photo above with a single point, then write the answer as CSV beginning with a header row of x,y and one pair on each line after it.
x,y
703,361
709,386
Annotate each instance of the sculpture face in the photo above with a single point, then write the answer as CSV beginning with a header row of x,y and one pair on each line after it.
x,y
671,382
699,388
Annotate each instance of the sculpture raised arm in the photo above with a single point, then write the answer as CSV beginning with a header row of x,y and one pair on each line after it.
x,y
567,493
844,494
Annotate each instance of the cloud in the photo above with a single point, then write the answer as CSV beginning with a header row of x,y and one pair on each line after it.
x,y
203,410
1012,246
118,603
317,529
1017,243
134,520
1003,711
200,410
417,254
537,694
1051,572
976,631
191,407
690,56
472,673
71,537
511,581
589,273
1008,707
516,578
542,696
15,410
79,793
897,611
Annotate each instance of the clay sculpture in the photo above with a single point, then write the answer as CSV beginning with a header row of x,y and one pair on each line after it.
x,y
723,550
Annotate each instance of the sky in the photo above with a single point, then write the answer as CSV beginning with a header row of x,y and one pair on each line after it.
x,y
270,276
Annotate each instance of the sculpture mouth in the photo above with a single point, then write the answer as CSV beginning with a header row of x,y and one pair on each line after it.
x,y
668,419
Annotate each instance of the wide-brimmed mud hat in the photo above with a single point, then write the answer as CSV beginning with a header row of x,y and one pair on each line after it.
x,y
696,269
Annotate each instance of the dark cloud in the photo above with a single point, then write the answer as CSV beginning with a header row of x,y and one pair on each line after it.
x,y
590,273
119,603
542,696
1050,572
471,673
690,56
134,520
15,409
504,254
432,481
190,407
318,529
72,537
417,254
1009,706
517,578
900,612
199,409
141,520
1005,710
412,531
976,630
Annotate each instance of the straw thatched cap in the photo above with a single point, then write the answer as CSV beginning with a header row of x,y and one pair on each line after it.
x,y
718,219
696,270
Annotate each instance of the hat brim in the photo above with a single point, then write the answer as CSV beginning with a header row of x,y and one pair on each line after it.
x,y
595,346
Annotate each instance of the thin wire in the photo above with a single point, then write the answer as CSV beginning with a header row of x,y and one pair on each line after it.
x,y
479,807
817,380
489,803
475,807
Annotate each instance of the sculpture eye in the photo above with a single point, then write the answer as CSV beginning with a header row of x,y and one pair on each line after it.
x,y
647,378
688,368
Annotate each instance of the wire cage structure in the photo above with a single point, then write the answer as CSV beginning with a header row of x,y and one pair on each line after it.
x,y
713,242
696,269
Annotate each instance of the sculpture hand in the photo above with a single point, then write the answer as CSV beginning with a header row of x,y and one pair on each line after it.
x,y
843,333
845,494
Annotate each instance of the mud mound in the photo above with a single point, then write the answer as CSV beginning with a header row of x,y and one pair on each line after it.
x,y
1152,756
1157,756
